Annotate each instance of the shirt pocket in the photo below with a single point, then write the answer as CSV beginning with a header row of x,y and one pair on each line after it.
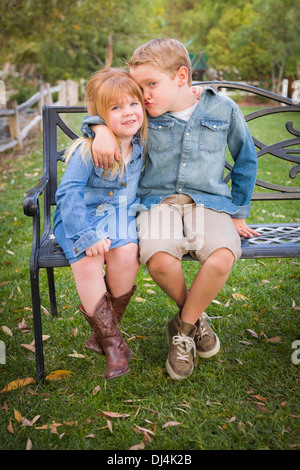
x,y
101,179
213,135
160,136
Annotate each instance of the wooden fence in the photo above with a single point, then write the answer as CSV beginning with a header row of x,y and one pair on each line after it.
x,y
67,96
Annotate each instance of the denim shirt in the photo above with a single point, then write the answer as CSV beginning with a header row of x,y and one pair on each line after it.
x,y
85,196
189,157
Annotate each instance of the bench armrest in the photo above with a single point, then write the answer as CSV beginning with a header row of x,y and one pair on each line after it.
x,y
30,204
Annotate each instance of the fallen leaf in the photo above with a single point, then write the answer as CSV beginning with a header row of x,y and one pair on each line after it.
x,y
253,333
259,397
76,354
45,310
275,339
232,419
18,416
96,390
26,422
90,435
6,330
17,384
113,414
140,299
58,374
109,425
10,427
144,430
239,296
139,446
28,444
171,423
29,346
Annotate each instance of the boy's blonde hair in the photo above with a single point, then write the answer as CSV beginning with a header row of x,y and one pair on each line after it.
x,y
107,87
168,55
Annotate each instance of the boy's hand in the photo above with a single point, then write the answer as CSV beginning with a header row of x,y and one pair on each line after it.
x,y
99,248
104,147
242,228
198,90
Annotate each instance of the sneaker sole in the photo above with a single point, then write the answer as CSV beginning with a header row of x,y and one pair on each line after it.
x,y
210,353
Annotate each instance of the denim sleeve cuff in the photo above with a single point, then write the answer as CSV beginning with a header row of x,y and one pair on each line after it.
x,y
90,121
85,242
243,212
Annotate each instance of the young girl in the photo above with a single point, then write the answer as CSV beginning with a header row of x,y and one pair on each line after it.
x,y
94,221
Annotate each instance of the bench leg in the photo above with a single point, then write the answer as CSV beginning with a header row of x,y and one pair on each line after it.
x,y
51,284
37,321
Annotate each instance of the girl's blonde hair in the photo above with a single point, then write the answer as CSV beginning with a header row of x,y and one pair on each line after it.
x,y
107,87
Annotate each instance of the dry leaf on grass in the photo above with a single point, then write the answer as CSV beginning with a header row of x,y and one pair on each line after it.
x,y
112,414
275,339
58,375
139,446
171,423
6,330
17,384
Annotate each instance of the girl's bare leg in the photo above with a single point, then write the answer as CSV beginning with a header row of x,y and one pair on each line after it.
x,y
122,265
88,275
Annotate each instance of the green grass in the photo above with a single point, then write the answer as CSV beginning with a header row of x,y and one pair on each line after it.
x,y
246,397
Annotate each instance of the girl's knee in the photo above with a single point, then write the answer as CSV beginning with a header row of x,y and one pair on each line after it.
x,y
125,255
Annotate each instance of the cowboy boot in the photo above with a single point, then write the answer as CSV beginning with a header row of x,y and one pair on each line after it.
x,y
119,305
108,334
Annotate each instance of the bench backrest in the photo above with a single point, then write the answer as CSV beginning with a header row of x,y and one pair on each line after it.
x,y
283,150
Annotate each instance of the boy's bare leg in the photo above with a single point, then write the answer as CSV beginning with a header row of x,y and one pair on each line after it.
x,y
207,284
166,271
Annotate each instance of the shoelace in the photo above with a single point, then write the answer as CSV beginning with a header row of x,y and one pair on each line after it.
x,y
184,345
202,330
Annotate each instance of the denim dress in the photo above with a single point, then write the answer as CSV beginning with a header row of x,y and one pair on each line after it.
x,y
92,205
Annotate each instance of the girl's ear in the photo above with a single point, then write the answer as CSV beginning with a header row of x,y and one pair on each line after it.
x,y
182,75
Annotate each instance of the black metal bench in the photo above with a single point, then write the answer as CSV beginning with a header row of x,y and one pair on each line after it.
x,y
275,240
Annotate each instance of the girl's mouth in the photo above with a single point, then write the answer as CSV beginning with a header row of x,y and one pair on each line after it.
x,y
128,123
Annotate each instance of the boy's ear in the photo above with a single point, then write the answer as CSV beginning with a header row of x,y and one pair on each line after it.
x,y
182,75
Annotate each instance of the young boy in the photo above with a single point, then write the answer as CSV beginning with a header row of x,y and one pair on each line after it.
x,y
186,205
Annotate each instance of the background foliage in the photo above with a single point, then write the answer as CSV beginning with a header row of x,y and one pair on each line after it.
x,y
252,40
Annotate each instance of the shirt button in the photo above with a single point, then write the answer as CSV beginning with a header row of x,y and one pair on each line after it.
x,y
187,133
180,190
123,185
76,250
183,164
215,126
110,193
99,208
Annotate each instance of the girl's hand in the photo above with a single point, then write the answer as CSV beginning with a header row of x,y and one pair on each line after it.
x,y
198,90
104,147
242,228
99,248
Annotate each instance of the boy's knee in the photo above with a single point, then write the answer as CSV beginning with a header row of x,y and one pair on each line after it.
x,y
161,262
221,261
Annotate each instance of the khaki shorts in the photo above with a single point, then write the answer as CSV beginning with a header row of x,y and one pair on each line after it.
x,y
178,226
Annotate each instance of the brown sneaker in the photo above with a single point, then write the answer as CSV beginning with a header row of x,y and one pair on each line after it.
x,y
206,341
180,362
